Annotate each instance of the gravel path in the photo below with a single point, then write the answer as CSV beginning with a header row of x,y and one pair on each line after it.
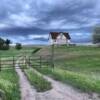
x,y
27,91
62,91
59,91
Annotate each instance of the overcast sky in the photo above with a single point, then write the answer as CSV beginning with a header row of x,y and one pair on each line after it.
x,y
30,21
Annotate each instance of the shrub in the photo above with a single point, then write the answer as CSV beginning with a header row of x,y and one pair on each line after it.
x,y
18,46
4,44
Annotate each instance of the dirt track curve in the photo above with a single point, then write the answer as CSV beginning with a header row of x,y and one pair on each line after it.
x,y
59,91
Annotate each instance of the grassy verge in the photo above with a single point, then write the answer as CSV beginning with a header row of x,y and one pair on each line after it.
x,y
26,50
76,65
78,80
38,81
9,84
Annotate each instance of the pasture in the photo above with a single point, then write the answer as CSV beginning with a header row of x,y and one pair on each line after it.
x,y
78,66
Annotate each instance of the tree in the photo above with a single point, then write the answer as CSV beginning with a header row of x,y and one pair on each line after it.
x,y
7,42
18,46
4,44
1,43
96,35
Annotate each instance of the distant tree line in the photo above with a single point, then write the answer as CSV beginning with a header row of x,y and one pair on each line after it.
x,y
5,44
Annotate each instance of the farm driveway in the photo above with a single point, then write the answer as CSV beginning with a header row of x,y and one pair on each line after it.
x,y
27,91
62,91
59,91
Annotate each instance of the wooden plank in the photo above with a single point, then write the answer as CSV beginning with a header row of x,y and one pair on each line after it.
x,y
0,63
5,64
13,61
40,61
7,60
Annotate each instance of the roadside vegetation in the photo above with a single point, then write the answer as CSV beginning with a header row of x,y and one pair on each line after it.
x,y
78,80
9,81
9,85
37,80
18,46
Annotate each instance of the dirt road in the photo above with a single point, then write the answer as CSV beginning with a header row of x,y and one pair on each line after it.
x,y
62,91
27,91
59,91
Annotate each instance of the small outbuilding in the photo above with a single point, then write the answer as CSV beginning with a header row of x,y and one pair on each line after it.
x,y
59,38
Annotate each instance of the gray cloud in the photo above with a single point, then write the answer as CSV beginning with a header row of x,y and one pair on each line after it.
x,y
25,17
40,13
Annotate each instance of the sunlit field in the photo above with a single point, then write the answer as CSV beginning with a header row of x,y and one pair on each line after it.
x,y
78,66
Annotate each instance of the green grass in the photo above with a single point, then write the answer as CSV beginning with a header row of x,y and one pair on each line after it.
x,y
9,84
6,56
38,81
13,52
78,80
78,66
81,64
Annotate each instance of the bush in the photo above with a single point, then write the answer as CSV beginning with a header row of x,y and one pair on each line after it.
x,y
5,47
4,44
18,46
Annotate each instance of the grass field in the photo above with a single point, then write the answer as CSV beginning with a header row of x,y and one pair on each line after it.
x,y
9,84
14,52
78,66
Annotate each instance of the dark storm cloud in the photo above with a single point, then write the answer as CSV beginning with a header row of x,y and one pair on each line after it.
x,y
23,18
41,39
23,31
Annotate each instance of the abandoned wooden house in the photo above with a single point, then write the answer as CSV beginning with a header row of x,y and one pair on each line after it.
x,y
59,38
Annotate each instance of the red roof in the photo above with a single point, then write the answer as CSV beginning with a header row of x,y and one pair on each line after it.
x,y
54,35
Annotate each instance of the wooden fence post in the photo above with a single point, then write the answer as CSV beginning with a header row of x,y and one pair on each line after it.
x,y
29,62
13,61
52,55
49,60
25,61
0,63
40,61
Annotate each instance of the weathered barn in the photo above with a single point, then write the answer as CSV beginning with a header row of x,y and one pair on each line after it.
x,y
59,38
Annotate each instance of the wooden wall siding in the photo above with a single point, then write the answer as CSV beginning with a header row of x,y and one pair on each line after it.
x,y
59,38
